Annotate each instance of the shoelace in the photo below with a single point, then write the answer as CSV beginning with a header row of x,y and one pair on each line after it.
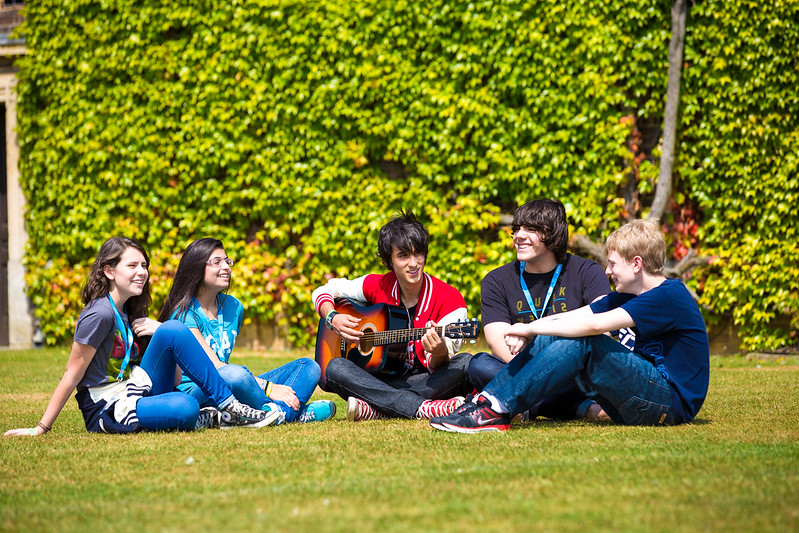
x,y
247,411
445,407
366,411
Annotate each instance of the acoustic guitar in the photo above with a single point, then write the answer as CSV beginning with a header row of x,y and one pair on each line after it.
x,y
383,346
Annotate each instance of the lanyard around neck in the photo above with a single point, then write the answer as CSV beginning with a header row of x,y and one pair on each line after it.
x,y
127,338
219,318
526,291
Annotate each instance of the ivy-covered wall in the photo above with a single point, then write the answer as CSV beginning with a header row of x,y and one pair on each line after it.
x,y
294,130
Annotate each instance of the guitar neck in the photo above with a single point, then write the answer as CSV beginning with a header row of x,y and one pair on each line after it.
x,y
397,336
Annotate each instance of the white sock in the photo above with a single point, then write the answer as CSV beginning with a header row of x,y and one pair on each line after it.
x,y
496,405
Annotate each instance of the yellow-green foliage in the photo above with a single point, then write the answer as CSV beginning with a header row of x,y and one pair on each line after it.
x,y
294,130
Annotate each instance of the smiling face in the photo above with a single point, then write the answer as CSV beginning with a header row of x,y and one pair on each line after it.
x,y
531,249
623,273
217,272
128,276
408,266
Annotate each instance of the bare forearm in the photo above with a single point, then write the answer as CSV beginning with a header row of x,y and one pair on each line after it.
x,y
581,322
325,308
495,337
207,349
59,398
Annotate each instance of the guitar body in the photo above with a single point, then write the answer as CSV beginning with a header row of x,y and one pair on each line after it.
x,y
388,358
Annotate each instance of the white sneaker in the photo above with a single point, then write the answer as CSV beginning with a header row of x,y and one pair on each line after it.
x,y
236,414
358,410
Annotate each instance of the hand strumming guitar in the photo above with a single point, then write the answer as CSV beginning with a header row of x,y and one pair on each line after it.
x,y
346,326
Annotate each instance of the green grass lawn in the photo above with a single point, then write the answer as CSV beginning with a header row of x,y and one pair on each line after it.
x,y
735,468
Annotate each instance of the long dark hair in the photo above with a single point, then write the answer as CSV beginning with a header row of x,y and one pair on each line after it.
x,y
189,277
98,285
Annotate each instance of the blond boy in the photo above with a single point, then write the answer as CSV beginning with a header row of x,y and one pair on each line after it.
x,y
663,380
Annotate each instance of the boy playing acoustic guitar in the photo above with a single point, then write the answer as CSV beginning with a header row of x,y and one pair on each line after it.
x,y
431,376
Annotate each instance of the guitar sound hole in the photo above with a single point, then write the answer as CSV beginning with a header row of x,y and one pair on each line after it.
x,y
367,342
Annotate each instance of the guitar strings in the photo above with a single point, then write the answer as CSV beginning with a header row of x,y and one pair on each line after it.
x,y
397,336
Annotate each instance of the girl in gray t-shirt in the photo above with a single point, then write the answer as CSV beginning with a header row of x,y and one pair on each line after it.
x,y
121,390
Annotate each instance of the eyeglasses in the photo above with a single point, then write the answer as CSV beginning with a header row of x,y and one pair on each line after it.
x,y
216,262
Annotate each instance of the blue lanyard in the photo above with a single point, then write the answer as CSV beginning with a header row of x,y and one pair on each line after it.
x,y
526,291
127,339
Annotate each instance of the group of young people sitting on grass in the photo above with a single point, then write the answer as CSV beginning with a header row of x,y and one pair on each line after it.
x,y
562,344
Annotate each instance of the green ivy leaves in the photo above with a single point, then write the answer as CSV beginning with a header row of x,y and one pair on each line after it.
x,y
293,131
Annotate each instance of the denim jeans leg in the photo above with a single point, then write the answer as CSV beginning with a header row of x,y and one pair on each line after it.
x,y
483,368
346,379
301,375
198,394
450,380
244,386
172,410
636,391
173,344
545,367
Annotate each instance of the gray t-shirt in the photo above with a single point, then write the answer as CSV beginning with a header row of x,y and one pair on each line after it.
x,y
97,328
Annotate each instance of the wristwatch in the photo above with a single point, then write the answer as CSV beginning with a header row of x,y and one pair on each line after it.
x,y
329,319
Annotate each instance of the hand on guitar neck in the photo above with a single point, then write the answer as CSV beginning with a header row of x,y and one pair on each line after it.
x,y
434,347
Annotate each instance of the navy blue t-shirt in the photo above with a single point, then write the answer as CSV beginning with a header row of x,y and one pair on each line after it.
x,y
671,333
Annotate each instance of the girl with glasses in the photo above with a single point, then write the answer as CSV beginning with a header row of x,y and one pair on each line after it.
x,y
199,299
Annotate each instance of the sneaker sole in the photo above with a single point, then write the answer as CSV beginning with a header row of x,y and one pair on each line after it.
x,y
270,419
352,408
438,425
482,429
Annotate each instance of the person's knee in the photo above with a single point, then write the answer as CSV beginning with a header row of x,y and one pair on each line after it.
x,y
482,369
171,328
338,370
186,409
234,375
460,361
311,369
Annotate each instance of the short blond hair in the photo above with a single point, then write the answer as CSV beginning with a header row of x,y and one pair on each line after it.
x,y
641,238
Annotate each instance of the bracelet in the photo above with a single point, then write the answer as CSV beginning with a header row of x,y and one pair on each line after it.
x,y
268,389
329,319
44,426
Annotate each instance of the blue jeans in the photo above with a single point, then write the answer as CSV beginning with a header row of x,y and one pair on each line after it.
x,y
302,375
565,405
174,345
628,387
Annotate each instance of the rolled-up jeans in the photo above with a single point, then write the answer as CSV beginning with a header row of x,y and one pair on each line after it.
x,y
627,386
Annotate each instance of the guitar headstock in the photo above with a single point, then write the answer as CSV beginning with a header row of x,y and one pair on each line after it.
x,y
463,329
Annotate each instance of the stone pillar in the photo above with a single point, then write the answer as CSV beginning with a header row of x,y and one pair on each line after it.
x,y
20,327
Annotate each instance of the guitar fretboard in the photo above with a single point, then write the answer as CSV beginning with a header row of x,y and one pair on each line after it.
x,y
397,336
